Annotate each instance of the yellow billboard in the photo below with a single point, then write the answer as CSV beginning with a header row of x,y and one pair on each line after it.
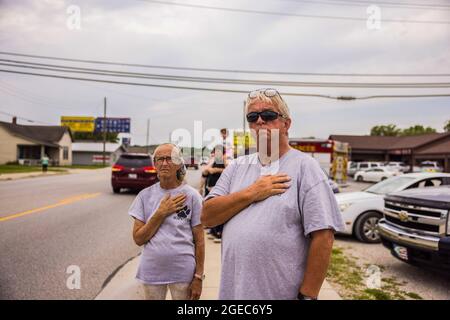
x,y
79,124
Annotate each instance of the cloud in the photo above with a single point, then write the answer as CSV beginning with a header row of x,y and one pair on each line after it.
x,y
145,33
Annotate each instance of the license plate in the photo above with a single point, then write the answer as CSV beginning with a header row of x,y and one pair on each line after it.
x,y
401,252
132,176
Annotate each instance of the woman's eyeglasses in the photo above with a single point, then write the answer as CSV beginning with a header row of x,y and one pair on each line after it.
x,y
266,115
161,159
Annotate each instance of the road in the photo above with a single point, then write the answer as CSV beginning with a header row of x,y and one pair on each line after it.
x,y
48,224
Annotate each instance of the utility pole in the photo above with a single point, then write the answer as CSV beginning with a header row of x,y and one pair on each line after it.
x,y
243,122
104,132
148,135
243,126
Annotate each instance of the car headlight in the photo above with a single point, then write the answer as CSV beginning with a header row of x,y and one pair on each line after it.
x,y
344,206
448,223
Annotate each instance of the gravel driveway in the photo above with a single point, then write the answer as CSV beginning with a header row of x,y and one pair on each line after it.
x,y
425,283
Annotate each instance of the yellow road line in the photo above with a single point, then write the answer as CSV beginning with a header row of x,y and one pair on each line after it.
x,y
63,202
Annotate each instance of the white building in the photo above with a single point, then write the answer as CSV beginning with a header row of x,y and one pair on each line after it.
x,y
91,153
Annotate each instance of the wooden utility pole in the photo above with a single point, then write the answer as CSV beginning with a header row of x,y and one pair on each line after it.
x,y
148,135
104,132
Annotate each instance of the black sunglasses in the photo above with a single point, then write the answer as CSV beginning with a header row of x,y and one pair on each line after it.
x,y
266,115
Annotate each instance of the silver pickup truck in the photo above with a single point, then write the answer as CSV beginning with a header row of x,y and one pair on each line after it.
x,y
416,226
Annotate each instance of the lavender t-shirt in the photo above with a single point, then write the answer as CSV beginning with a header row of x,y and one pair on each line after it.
x,y
265,246
169,256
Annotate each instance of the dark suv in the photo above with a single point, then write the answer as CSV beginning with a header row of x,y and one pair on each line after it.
x,y
133,171
416,226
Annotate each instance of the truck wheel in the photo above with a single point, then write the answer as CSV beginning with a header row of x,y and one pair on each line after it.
x,y
366,227
359,178
116,190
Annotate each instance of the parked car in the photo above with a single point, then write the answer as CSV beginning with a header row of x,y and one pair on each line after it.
x,y
430,166
362,210
376,174
398,166
333,185
133,171
190,162
204,161
360,166
416,227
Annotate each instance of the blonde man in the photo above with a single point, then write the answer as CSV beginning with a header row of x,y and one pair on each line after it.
x,y
279,212
167,223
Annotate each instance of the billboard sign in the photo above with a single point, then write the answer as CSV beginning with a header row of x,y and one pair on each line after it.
x,y
117,125
79,124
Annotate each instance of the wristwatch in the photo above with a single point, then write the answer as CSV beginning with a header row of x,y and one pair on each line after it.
x,y
300,296
199,276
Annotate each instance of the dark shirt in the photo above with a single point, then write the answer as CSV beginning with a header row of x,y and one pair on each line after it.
x,y
212,179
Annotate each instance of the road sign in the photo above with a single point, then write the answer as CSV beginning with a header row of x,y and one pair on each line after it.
x,y
117,125
79,124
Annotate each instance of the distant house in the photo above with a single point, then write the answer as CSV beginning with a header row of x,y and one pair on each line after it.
x,y
91,153
142,149
28,144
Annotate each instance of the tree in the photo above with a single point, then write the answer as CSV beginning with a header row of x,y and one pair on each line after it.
x,y
385,130
95,136
416,130
447,126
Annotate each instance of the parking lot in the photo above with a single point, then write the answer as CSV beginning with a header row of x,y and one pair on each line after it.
x,y
421,281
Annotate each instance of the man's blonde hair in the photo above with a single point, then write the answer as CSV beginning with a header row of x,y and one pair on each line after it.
x,y
275,101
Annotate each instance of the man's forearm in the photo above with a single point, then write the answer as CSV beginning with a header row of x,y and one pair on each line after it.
x,y
317,263
219,210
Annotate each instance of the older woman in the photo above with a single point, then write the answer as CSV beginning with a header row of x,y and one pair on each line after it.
x,y
167,224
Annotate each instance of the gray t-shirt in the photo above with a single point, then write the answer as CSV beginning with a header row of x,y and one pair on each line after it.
x,y
169,256
265,246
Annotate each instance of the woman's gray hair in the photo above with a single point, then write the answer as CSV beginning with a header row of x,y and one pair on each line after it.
x,y
177,158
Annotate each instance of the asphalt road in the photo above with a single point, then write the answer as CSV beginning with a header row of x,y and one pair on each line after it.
x,y
48,224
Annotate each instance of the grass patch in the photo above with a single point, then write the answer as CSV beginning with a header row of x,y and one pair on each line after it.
x,y
16,168
350,280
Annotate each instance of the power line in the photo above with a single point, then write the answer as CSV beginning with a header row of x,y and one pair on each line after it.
x,y
102,72
223,90
26,98
359,4
227,70
274,13
429,5
25,119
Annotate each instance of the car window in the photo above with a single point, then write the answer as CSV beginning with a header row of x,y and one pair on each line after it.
x,y
132,161
353,165
363,165
390,185
378,170
434,182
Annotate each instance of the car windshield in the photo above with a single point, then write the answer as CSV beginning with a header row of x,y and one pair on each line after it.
x,y
131,161
390,185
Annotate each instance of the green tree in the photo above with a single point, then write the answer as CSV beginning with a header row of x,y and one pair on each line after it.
x,y
385,130
416,130
447,126
95,136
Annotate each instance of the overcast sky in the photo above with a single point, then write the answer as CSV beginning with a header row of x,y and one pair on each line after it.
x,y
158,34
